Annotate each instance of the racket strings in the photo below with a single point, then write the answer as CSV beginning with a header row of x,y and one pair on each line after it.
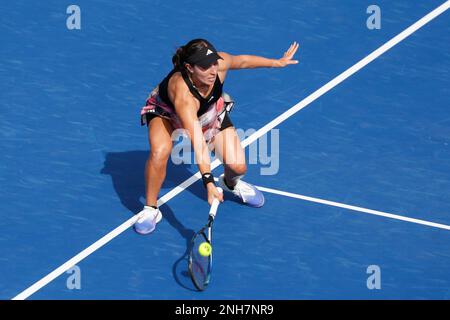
x,y
200,265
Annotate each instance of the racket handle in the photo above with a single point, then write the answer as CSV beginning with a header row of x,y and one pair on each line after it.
x,y
215,205
213,209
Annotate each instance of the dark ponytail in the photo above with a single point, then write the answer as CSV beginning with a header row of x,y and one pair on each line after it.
x,y
178,58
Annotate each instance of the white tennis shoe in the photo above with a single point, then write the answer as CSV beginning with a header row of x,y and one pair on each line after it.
x,y
148,220
246,192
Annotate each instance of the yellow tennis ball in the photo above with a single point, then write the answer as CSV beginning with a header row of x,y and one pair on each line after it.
x,y
204,249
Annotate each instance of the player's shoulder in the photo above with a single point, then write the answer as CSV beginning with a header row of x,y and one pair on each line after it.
x,y
225,62
176,82
178,89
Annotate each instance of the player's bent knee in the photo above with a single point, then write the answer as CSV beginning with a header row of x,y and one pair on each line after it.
x,y
239,169
160,154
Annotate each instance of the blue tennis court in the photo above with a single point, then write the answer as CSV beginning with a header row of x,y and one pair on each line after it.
x,y
356,179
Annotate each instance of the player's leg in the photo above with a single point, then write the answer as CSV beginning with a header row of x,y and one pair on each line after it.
x,y
228,148
159,135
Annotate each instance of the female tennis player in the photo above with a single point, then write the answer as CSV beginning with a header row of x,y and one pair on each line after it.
x,y
190,98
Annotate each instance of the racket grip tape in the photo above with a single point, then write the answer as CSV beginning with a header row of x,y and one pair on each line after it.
x,y
215,204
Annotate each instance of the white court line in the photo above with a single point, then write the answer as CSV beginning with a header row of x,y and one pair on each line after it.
x,y
354,208
312,97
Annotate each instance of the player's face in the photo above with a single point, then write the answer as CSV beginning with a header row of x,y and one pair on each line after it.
x,y
206,76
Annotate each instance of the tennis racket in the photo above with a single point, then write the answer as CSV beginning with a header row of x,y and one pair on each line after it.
x,y
200,266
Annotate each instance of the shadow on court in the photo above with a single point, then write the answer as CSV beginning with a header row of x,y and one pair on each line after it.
x,y
127,173
180,267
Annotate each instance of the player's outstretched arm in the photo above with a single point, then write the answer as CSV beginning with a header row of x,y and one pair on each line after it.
x,y
235,62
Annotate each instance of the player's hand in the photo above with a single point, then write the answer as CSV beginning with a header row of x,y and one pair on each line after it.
x,y
213,193
288,56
